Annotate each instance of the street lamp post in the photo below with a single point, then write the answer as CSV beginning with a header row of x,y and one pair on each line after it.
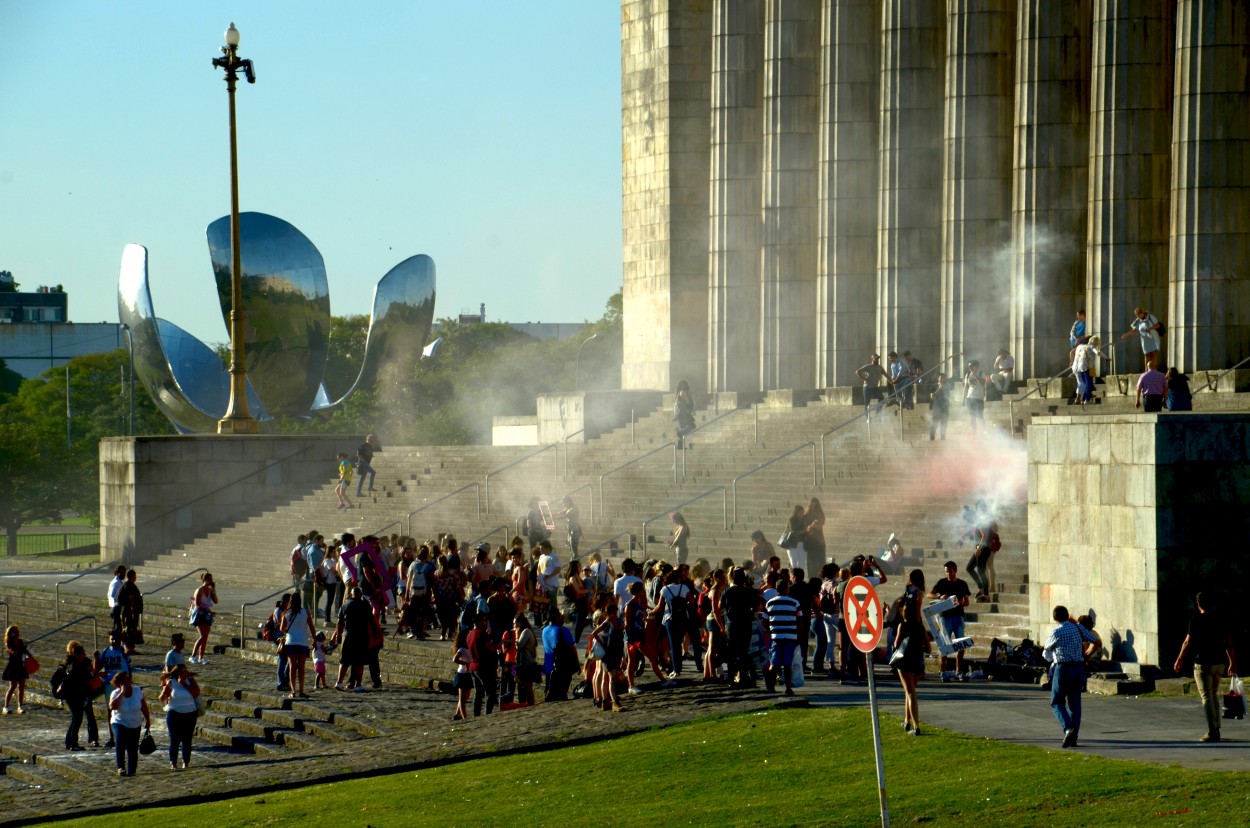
x,y
577,374
238,419
131,385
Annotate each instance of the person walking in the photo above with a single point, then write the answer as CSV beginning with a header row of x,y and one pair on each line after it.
x,y
345,479
77,691
15,669
680,542
912,640
683,413
1065,649
131,601
872,375
1146,328
1209,644
364,461
1152,385
179,692
128,710
297,627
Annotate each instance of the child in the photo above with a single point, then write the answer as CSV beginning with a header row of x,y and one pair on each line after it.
x,y
345,478
507,678
462,682
319,662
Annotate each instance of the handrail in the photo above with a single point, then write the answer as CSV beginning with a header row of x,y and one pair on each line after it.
x,y
1011,404
95,630
503,527
243,613
1220,376
768,463
151,592
608,542
378,532
867,415
235,482
566,449
56,588
590,486
514,463
724,511
5,604
629,463
697,428
473,485
896,393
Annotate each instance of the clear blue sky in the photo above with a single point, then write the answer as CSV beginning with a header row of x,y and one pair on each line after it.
x,y
484,134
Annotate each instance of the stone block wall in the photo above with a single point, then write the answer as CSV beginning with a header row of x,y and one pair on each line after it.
x,y
159,492
1130,515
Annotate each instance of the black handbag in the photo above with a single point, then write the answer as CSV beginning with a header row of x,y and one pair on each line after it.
x,y
147,745
788,540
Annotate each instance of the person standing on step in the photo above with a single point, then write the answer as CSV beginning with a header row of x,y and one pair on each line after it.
x,y
814,535
314,583
1065,649
364,463
179,691
76,691
1085,369
202,615
572,517
952,586
1077,334
299,562
939,408
683,413
680,542
795,545
109,662
128,710
131,600
1209,643
15,669
974,396
352,636
1146,328
114,593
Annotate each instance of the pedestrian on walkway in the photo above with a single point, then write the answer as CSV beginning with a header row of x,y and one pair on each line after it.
x,y
128,710
1209,643
1065,649
179,692
560,661
298,631
202,615
952,586
913,641
351,634
77,690
782,619
15,668
114,592
1152,385
483,664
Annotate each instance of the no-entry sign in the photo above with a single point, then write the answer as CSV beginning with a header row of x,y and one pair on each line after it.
x,y
862,610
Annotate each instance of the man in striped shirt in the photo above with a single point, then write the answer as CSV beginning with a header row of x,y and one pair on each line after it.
x,y
1065,649
782,615
1152,386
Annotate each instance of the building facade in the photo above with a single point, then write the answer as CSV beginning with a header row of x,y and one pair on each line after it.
x,y
807,182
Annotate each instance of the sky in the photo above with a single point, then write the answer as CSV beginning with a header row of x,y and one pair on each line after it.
x,y
483,134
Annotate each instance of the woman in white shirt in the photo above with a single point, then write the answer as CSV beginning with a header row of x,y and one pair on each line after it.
x,y
179,693
128,712
297,626
333,584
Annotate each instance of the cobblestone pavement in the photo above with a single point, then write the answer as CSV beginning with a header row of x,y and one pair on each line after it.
x,y
355,734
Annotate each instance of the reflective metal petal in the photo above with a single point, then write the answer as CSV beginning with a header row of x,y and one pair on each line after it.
x,y
403,313
153,368
286,300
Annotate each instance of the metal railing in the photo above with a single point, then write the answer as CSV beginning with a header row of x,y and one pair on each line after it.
x,y
607,543
592,497
629,463
699,428
503,527
767,463
724,511
5,604
377,533
56,588
566,450
1041,384
262,470
95,630
896,393
1220,376
512,465
243,613
150,592
475,485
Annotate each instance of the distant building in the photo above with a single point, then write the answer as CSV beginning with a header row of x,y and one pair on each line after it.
x,y
47,304
34,333
538,330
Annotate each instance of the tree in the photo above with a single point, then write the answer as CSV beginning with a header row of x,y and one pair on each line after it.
x,y
10,381
32,475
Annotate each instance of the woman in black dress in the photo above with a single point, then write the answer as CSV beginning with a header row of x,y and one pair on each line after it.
x,y
914,639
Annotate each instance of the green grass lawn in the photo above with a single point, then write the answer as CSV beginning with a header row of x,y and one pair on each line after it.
x,y
782,767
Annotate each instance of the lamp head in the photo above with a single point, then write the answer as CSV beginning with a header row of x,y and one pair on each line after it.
x,y
232,36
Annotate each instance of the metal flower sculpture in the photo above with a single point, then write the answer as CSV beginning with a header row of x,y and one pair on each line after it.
x,y
286,299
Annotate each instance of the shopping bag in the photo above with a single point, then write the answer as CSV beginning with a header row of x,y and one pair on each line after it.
x,y
1235,699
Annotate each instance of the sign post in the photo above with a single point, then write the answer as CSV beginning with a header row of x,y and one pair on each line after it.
x,y
861,608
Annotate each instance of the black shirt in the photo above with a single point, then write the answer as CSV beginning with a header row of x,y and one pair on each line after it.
x,y
740,603
958,588
1209,639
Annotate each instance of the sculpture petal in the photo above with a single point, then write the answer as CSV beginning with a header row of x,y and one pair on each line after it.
x,y
286,300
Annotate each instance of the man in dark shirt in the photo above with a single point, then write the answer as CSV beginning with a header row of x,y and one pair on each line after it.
x,y
740,602
939,408
872,374
364,461
1210,644
955,587
483,664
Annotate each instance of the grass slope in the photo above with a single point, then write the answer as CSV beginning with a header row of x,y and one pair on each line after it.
x,y
775,768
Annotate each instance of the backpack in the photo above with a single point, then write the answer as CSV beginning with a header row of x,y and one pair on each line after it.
x,y
299,564
828,603
417,587
996,543
58,682
678,607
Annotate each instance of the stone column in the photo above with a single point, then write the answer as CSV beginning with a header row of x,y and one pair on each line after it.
x,y
846,246
1208,311
788,274
1130,150
909,211
1050,189
734,255
976,183
666,50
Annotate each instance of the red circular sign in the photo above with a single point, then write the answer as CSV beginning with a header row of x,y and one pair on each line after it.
x,y
861,610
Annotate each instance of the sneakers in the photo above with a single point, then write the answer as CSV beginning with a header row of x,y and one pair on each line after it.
x,y
634,691
338,685
19,711
1213,736
4,711
1069,738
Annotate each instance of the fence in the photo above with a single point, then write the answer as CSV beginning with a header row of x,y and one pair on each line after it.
x,y
42,543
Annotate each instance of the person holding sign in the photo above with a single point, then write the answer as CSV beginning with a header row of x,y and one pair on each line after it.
x,y
952,586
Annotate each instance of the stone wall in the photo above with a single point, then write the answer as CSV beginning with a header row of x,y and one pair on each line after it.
x,y
159,492
1130,515
583,415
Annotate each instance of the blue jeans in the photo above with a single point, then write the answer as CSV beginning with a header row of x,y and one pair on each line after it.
x,y
1067,679
127,748
284,671
361,471
676,633
181,727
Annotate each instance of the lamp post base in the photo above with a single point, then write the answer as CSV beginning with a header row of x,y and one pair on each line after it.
x,y
238,425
